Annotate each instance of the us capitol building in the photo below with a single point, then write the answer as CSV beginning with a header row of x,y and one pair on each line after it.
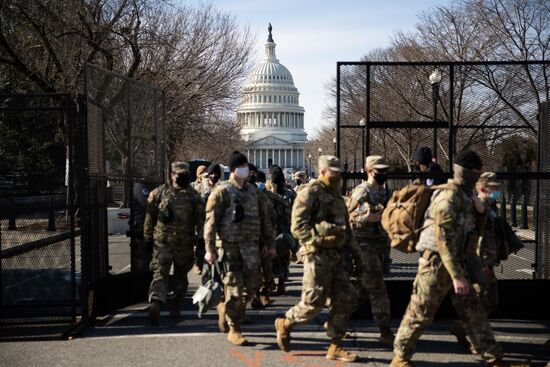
x,y
270,116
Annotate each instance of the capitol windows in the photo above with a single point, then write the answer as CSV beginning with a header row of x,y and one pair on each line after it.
x,y
269,99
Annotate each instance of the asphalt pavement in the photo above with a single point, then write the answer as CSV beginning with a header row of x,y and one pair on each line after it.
x,y
124,338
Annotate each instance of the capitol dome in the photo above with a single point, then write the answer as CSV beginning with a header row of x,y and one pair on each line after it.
x,y
270,116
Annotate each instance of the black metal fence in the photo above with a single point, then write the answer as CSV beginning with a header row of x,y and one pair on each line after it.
x,y
74,175
494,108
39,234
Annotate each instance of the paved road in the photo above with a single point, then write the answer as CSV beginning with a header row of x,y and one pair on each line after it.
x,y
125,339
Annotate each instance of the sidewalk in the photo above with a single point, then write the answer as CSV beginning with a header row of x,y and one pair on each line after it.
x,y
125,339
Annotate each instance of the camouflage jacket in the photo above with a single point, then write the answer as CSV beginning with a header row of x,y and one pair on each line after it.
x,y
316,211
205,188
489,242
452,227
282,207
237,215
364,200
173,216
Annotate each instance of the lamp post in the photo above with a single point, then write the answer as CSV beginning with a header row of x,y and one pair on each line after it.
x,y
362,123
334,142
309,166
435,79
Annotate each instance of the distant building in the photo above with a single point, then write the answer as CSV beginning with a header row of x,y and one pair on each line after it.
x,y
271,118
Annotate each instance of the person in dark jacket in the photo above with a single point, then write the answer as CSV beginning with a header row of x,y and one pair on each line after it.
x,y
423,158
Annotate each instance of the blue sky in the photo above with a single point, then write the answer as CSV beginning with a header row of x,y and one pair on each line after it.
x,y
311,36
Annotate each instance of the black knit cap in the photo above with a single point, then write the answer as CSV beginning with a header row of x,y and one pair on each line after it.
x,y
423,155
237,159
469,160
214,168
261,176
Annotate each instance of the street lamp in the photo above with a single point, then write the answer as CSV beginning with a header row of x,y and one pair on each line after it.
x,y
334,142
309,156
435,79
362,123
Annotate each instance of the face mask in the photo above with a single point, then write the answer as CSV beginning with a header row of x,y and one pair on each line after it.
x,y
466,177
332,182
182,179
298,182
495,195
214,178
380,178
242,172
261,186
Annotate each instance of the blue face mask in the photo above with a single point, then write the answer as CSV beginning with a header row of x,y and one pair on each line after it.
x,y
261,185
495,195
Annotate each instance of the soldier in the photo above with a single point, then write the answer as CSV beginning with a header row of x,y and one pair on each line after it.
x,y
282,198
320,223
210,179
300,179
488,189
174,220
234,214
422,158
365,208
454,220
199,174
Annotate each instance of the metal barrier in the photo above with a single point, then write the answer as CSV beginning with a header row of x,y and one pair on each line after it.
x,y
392,108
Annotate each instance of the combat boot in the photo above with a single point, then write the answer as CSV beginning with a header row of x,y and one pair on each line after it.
x,y
337,353
265,301
154,313
386,336
175,308
222,323
235,337
458,331
400,362
283,326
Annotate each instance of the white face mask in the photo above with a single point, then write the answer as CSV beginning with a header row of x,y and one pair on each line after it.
x,y
242,172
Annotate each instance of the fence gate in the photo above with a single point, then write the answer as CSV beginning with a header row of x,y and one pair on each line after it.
x,y
498,109
39,236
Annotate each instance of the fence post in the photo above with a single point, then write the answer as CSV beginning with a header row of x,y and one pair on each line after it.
x,y
503,208
51,216
513,213
11,221
524,213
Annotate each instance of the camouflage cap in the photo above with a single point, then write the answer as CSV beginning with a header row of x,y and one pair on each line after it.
x,y
179,167
201,169
300,175
376,162
331,162
488,179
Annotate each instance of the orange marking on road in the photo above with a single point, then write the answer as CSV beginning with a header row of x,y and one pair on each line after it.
x,y
256,362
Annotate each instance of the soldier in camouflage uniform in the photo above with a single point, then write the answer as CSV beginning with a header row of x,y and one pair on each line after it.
x,y
365,208
320,223
174,220
234,215
300,179
453,223
488,189
209,178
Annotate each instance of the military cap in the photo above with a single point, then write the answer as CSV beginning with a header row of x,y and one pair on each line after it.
x,y
201,169
300,175
488,179
179,167
331,162
376,162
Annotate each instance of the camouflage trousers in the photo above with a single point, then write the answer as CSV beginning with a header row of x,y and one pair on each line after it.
x,y
372,287
324,280
267,276
431,285
164,256
241,263
488,293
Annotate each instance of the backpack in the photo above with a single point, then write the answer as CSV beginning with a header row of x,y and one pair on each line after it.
x,y
403,216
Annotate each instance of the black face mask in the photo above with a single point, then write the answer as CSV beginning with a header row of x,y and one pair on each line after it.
x,y
182,179
214,178
380,178
298,182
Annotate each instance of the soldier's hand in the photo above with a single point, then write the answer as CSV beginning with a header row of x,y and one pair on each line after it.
x,y
210,258
461,286
374,217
